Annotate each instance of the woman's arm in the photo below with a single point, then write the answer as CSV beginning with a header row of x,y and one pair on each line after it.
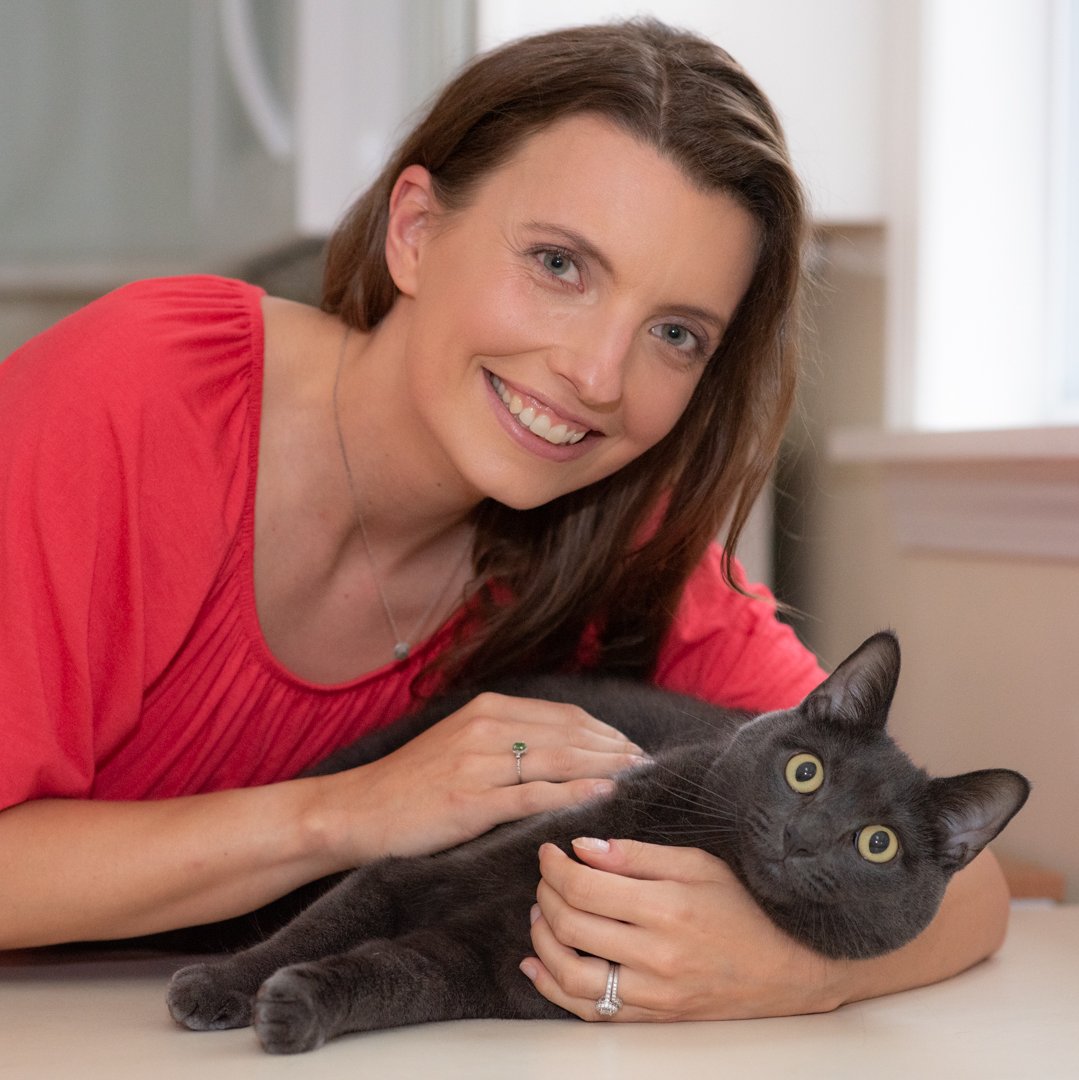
x,y
81,870
74,869
694,946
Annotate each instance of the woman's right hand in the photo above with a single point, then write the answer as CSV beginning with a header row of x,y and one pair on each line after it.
x,y
459,778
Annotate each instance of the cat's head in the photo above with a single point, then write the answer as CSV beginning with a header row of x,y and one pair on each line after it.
x,y
841,838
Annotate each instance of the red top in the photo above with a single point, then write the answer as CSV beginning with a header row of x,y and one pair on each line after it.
x,y
131,661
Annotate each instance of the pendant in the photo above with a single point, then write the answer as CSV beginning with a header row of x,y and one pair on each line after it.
x,y
400,650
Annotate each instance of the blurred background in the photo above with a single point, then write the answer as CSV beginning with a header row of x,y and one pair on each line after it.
x,y
931,478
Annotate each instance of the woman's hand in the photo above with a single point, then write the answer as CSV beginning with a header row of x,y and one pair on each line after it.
x,y
691,942
459,778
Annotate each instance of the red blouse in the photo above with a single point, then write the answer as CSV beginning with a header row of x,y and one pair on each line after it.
x,y
131,661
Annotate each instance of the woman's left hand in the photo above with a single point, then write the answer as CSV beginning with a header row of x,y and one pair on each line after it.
x,y
691,942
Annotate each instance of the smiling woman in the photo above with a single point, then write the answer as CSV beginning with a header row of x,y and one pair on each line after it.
x,y
555,353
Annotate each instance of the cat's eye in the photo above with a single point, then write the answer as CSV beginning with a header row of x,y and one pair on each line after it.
x,y
805,773
877,843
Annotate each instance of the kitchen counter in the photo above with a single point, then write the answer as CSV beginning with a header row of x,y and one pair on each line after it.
x,y
98,1015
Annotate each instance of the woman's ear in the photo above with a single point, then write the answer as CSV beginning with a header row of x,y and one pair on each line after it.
x,y
412,208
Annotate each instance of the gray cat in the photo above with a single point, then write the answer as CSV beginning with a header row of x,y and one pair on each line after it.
x,y
845,844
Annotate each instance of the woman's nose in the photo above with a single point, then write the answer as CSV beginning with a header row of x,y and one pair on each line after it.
x,y
595,363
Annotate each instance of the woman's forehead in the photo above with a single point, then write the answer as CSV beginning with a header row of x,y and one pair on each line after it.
x,y
635,208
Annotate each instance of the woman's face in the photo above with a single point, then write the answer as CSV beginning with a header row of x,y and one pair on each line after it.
x,y
558,325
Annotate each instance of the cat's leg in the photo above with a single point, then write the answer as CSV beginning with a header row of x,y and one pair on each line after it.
x,y
426,976
218,994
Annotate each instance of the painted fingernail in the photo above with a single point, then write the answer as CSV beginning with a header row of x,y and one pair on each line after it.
x,y
530,969
534,913
591,843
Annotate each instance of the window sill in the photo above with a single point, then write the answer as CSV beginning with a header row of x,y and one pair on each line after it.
x,y
1011,492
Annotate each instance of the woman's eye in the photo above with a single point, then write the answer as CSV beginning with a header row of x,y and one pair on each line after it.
x,y
681,337
877,843
560,265
805,773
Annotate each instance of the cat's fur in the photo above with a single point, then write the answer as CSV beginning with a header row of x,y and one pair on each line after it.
x,y
440,937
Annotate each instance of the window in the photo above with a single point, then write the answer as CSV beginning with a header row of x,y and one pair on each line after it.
x,y
984,324
981,439
1064,268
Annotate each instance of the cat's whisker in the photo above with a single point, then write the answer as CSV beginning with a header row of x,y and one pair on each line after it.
x,y
671,798
706,840
684,791
685,780
701,797
701,810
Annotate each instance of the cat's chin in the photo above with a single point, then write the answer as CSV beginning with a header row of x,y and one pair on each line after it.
x,y
779,880
767,878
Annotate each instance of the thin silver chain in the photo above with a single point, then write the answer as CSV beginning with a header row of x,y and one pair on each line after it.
x,y
402,645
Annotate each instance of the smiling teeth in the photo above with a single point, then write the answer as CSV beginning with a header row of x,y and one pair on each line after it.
x,y
537,422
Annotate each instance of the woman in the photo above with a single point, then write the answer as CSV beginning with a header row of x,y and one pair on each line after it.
x,y
554,356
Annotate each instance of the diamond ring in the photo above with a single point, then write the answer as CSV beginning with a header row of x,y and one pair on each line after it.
x,y
608,1005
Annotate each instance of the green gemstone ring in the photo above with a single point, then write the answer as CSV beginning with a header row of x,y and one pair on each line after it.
x,y
519,750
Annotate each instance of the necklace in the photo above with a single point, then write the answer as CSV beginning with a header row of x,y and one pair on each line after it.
x,y
402,643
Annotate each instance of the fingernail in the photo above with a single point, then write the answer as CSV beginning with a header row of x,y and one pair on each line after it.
x,y
534,913
602,787
590,843
530,969
640,759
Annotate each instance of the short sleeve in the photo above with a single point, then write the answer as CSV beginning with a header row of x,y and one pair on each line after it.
x,y
105,475
732,649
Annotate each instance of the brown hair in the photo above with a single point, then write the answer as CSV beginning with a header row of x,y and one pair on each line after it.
x,y
615,555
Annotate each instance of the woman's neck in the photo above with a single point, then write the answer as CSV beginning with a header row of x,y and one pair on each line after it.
x,y
321,590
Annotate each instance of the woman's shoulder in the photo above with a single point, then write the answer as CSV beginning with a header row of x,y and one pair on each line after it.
x,y
199,297
165,300
151,389
142,355
137,324
132,331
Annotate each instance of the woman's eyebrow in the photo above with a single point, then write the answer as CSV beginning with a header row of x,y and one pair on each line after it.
x,y
575,240
704,315
583,246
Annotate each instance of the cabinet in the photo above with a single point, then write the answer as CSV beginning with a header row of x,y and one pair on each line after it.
x,y
142,138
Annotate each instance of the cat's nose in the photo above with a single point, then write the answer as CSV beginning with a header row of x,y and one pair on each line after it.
x,y
794,843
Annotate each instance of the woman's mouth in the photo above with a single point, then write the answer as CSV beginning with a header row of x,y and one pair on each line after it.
x,y
535,418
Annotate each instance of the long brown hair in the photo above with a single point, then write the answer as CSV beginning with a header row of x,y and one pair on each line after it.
x,y
615,556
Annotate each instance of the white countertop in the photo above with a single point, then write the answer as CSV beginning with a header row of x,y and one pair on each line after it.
x,y
1015,1017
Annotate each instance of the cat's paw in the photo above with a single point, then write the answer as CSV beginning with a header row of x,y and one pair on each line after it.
x,y
204,998
286,1014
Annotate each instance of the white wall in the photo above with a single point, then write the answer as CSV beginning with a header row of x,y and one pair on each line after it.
x,y
821,63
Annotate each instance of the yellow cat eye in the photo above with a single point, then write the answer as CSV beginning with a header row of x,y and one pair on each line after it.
x,y
877,843
805,773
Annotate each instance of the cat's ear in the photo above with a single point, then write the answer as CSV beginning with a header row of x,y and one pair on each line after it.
x,y
973,808
859,692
